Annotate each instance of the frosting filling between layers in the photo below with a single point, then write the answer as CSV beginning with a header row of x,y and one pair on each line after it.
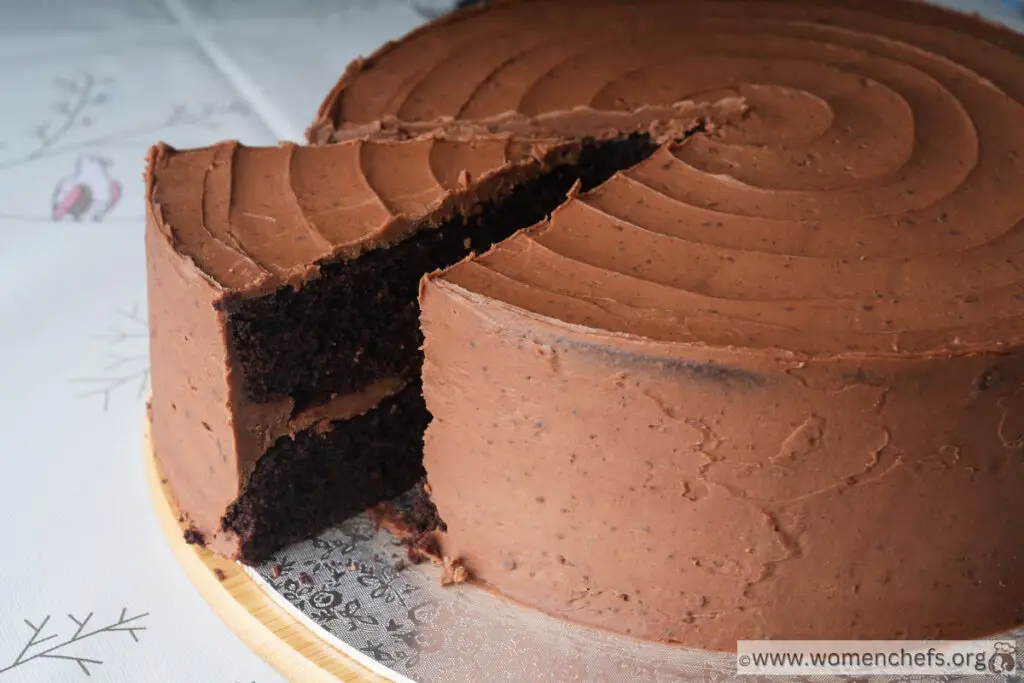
x,y
335,408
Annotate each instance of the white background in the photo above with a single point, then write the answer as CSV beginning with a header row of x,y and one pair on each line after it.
x,y
110,77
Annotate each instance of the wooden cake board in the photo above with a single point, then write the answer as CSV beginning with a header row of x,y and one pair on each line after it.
x,y
297,652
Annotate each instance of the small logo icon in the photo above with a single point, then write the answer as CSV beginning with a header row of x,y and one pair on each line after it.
x,y
89,192
1003,660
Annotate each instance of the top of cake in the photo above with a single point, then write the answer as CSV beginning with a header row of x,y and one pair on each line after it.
x,y
835,178
252,219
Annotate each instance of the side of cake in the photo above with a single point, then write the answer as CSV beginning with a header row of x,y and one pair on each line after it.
x,y
696,494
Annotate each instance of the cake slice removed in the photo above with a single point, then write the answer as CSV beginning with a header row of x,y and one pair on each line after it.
x,y
284,318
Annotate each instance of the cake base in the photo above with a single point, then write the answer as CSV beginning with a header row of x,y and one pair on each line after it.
x,y
269,630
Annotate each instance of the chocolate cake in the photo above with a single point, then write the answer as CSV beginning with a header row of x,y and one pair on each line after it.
x,y
722,321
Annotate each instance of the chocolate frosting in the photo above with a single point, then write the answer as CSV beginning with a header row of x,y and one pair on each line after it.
x,y
253,219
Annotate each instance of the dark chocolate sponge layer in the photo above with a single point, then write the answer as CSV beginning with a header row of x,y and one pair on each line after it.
x,y
303,484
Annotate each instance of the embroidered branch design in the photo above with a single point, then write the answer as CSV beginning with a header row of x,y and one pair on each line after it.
x,y
78,101
31,652
76,96
128,362
74,108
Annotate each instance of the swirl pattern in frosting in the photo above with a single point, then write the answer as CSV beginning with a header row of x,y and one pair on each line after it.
x,y
252,219
870,201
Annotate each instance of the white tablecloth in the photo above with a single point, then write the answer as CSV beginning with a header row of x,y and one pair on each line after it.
x,y
85,87
99,81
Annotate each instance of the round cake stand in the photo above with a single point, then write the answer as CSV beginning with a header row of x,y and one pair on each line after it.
x,y
297,652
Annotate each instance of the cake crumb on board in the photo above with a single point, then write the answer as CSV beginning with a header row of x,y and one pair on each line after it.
x,y
194,536
416,533
453,572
